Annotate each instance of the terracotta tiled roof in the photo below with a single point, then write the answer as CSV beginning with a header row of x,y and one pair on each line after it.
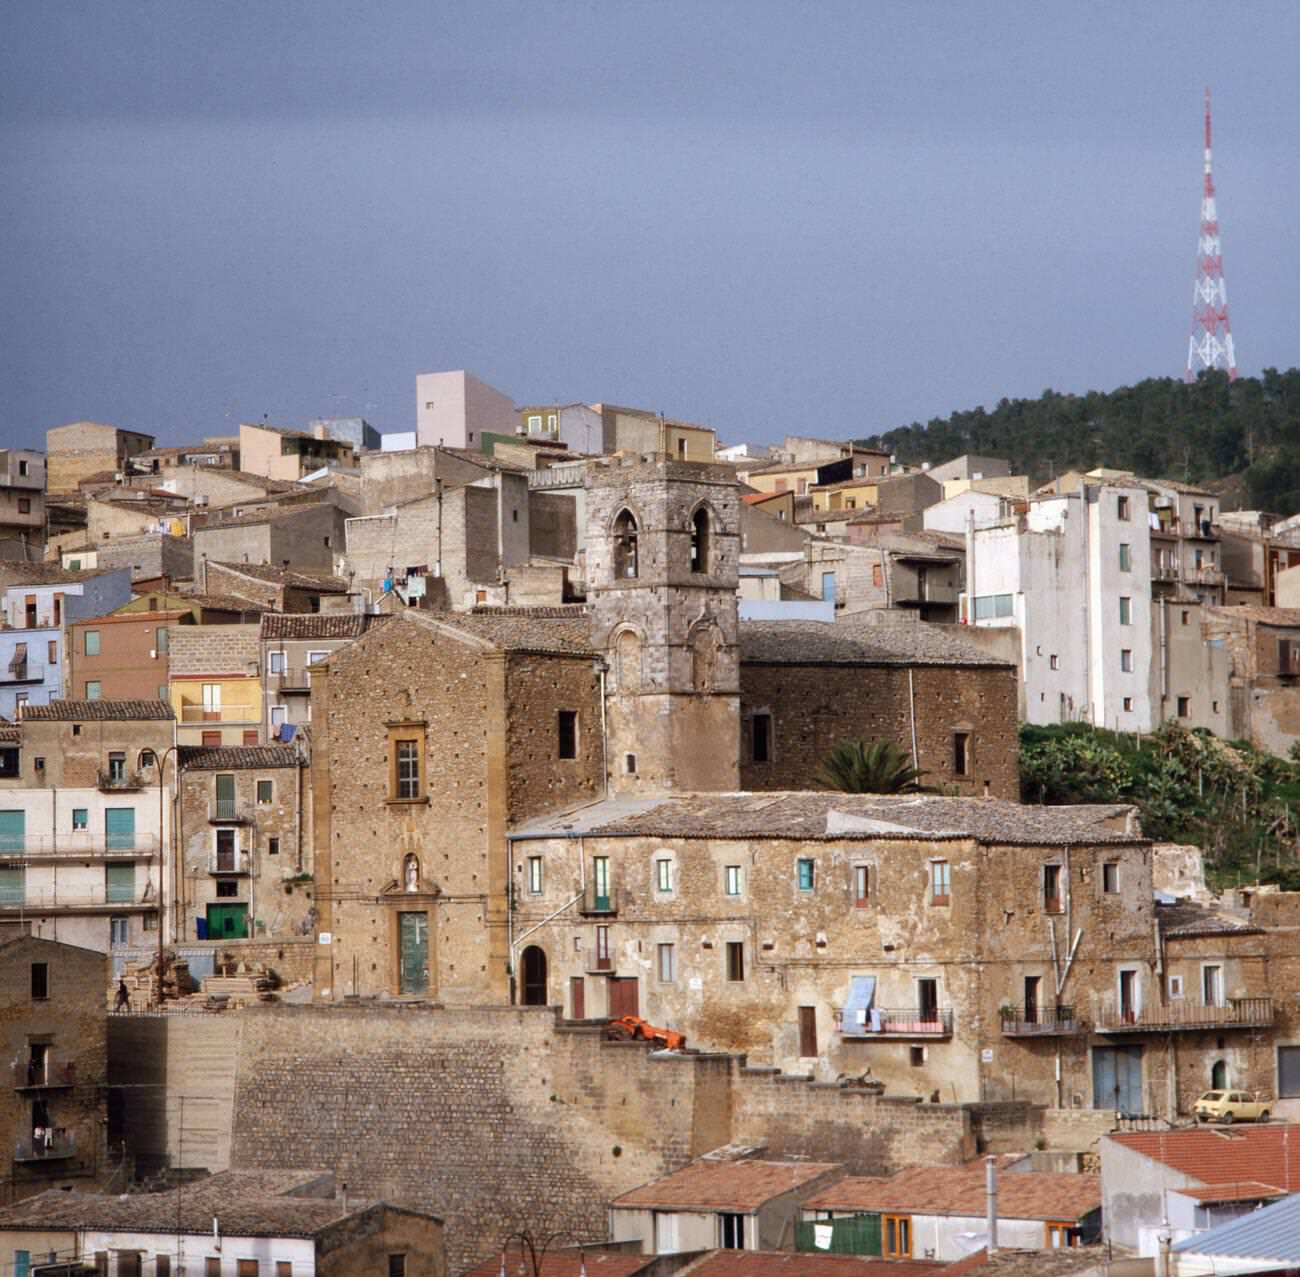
x,y
237,757
1188,918
568,1263
303,579
1246,1191
227,603
771,1263
858,643
960,1190
249,1203
824,815
1245,1154
317,625
1030,1263
523,630
87,711
725,1185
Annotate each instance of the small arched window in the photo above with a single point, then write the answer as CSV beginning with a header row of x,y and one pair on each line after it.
x,y
625,546
700,548
147,760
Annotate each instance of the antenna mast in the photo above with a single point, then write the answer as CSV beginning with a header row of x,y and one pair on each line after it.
x,y
1210,345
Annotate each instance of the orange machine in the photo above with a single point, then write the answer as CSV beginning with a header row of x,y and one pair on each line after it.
x,y
634,1028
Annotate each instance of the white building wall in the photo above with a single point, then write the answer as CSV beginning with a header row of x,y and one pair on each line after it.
x,y
1119,699
954,514
190,1251
453,409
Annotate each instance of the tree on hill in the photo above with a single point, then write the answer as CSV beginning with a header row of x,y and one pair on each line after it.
x,y
1159,428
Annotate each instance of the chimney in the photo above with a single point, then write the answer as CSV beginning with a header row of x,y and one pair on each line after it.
x,y
991,1202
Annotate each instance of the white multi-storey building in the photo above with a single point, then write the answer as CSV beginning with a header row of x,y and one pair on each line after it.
x,y
1073,572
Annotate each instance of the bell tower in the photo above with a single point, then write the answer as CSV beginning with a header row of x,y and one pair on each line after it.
x,y
663,545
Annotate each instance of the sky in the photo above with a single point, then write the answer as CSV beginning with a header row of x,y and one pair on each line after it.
x,y
817,218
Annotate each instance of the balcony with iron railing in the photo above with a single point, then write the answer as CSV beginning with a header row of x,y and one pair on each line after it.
x,y
230,811
78,844
57,1073
1186,1016
23,672
1204,576
905,1022
239,712
1038,1021
113,781
53,1145
228,862
292,682
599,902
76,899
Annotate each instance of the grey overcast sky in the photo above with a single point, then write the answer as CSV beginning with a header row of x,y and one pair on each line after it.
x,y
827,218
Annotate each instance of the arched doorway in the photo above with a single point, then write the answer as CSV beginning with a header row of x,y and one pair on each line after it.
x,y
534,972
1219,1076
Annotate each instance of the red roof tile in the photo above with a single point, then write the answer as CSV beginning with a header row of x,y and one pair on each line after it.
x,y
1246,1191
960,1190
1255,1154
750,1263
717,1185
567,1263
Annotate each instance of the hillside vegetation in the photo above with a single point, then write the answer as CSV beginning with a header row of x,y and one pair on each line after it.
x,y
1159,428
1237,804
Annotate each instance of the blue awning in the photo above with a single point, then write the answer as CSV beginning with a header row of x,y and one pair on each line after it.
x,y
862,993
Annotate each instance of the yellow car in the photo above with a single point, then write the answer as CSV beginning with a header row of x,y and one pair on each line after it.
x,y
1231,1106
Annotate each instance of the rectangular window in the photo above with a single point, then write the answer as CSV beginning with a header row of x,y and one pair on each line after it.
x,y
94,689
1121,508
1212,986
119,931
212,1266
760,738
663,875
1184,706
897,1236
1126,660
80,818
731,880
40,981
279,717
13,884
1110,877
162,639
397,1266
1125,610
1054,661
568,733
52,651
861,885
940,882
731,1231
1128,704
119,884
735,960
828,587
272,846
808,1031
534,875
667,963
211,740
1125,557
275,663
265,793
602,949
408,768
807,870
92,642
1052,889
1175,987
961,753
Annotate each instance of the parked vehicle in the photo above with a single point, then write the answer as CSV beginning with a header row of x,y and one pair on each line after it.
x,y
1231,1106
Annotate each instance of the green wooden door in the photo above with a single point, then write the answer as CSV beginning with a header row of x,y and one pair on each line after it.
x,y
119,828
13,886
228,922
13,827
413,934
225,797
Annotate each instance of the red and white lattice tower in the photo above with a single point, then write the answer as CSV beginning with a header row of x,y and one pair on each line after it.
x,y
1210,345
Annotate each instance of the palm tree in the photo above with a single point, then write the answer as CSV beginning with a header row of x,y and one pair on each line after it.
x,y
871,767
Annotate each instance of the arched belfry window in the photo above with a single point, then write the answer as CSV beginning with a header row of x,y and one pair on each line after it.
x,y
700,547
625,548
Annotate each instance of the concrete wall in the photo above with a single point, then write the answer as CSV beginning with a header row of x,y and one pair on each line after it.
x,y
453,409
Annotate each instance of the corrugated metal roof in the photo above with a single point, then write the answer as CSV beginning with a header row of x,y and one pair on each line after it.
x,y
1270,1233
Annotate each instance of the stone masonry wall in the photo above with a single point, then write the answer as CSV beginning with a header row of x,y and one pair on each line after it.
x,y
814,707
